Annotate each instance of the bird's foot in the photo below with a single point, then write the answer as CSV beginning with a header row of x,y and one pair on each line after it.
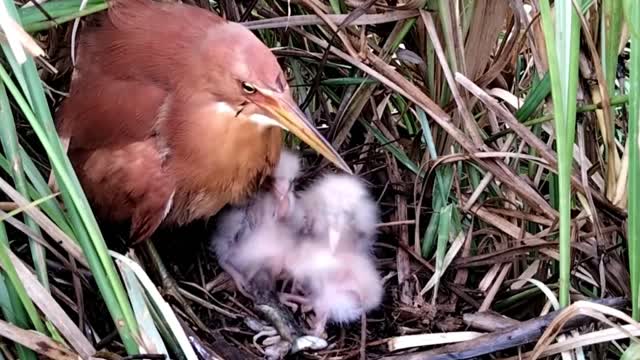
x,y
239,280
269,335
272,345
295,301
281,318
275,347
288,303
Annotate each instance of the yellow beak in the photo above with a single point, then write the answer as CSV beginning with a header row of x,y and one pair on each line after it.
x,y
289,115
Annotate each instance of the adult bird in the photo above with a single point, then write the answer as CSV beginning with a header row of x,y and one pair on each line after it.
x,y
174,113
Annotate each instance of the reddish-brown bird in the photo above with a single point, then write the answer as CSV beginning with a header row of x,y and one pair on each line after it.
x,y
173,113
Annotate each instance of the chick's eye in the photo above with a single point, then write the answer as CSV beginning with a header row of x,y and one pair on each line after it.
x,y
248,88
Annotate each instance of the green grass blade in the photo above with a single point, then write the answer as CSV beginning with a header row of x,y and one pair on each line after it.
x,y
9,141
17,286
444,230
335,6
169,317
562,43
396,151
50,207
632,352
41,189
633,191
540,90
13,311
344,81
61,11
441,189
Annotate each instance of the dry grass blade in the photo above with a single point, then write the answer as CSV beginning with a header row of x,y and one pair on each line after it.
x,y
581,308
37,342
18,210
52,310
592,338
340,33
520,129
303,20
45,223
383,68
470,123
17,38
388,76
456,245
546,153
418,340
486,26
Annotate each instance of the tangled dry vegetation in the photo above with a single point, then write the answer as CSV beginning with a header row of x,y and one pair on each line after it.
x,y
443,107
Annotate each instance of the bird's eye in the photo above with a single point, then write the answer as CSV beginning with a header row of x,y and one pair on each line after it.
x,y
248,88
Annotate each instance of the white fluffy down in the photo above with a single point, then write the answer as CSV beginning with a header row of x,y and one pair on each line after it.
x,y
343,281
342,193
288,166
341,203
268,245
309,260
354,287
343,286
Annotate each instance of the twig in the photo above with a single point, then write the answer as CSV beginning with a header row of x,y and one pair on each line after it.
x,y
524,333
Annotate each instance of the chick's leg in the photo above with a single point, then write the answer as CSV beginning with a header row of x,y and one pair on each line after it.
x,y
169,285
319,323
238,278
294,301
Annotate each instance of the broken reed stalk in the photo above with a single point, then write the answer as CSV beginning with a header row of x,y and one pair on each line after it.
x,y
523,333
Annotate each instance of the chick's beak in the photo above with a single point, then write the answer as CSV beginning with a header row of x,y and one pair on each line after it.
x,y
290,117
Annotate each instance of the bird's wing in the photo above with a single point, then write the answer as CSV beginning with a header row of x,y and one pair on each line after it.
x,y
127,183
103,111
117,148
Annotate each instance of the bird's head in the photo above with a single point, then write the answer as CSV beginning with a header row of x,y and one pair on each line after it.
x,y
246,77
344,208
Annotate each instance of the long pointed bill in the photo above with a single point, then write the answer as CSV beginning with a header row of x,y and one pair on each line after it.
x,y
289,115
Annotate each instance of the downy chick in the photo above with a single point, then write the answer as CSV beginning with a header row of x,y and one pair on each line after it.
x,y
251,240
333,260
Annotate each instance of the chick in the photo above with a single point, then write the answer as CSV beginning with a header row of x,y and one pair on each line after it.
x,y
333,258
252,239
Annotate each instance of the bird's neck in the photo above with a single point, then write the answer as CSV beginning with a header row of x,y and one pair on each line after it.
x,y
223,160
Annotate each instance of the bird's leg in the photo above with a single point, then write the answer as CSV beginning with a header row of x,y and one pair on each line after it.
x,y
262,286
168,283
319,323
302,296
292,300
286,302
263,291
238,279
